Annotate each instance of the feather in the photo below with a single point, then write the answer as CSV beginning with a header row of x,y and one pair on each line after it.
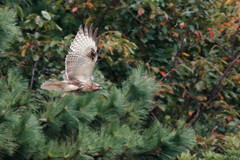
x,y
81,29
58,86
95,34
86,30
78,64
53,85
65,77
90,31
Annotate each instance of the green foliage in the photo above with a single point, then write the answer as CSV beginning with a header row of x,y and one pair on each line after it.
x,y
21,128
90,125
216,147
189,48
9,32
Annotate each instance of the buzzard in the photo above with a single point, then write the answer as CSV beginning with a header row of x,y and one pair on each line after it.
x,y
79,64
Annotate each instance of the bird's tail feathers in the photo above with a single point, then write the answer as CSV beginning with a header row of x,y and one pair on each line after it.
x,y
54,85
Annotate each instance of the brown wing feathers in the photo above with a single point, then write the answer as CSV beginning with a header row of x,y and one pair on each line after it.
x,y
79,62
94,36
82,53
53,85
92,54
86,30
89,32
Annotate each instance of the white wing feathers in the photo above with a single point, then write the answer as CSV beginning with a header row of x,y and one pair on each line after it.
x,y
80,61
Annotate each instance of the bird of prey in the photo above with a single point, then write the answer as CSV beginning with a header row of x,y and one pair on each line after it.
x,y
79,64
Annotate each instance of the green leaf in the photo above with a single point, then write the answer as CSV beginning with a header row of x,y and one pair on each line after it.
x,y
110,61
191,28
35,57
199,85
19,12
39,21
59,2
46,15
155,69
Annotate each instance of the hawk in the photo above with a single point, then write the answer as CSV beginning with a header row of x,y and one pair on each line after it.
x,y
79,64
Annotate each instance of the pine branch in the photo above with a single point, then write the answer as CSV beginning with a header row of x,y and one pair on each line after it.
x,y
75,154
9,32
63,110
96,155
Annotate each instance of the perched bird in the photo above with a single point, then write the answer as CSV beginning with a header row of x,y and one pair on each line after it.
x,y
79,64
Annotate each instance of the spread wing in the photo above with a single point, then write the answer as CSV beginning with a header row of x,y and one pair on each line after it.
x,y
81,59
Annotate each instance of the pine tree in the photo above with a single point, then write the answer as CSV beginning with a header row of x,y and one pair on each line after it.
x,y
8,29
110,124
